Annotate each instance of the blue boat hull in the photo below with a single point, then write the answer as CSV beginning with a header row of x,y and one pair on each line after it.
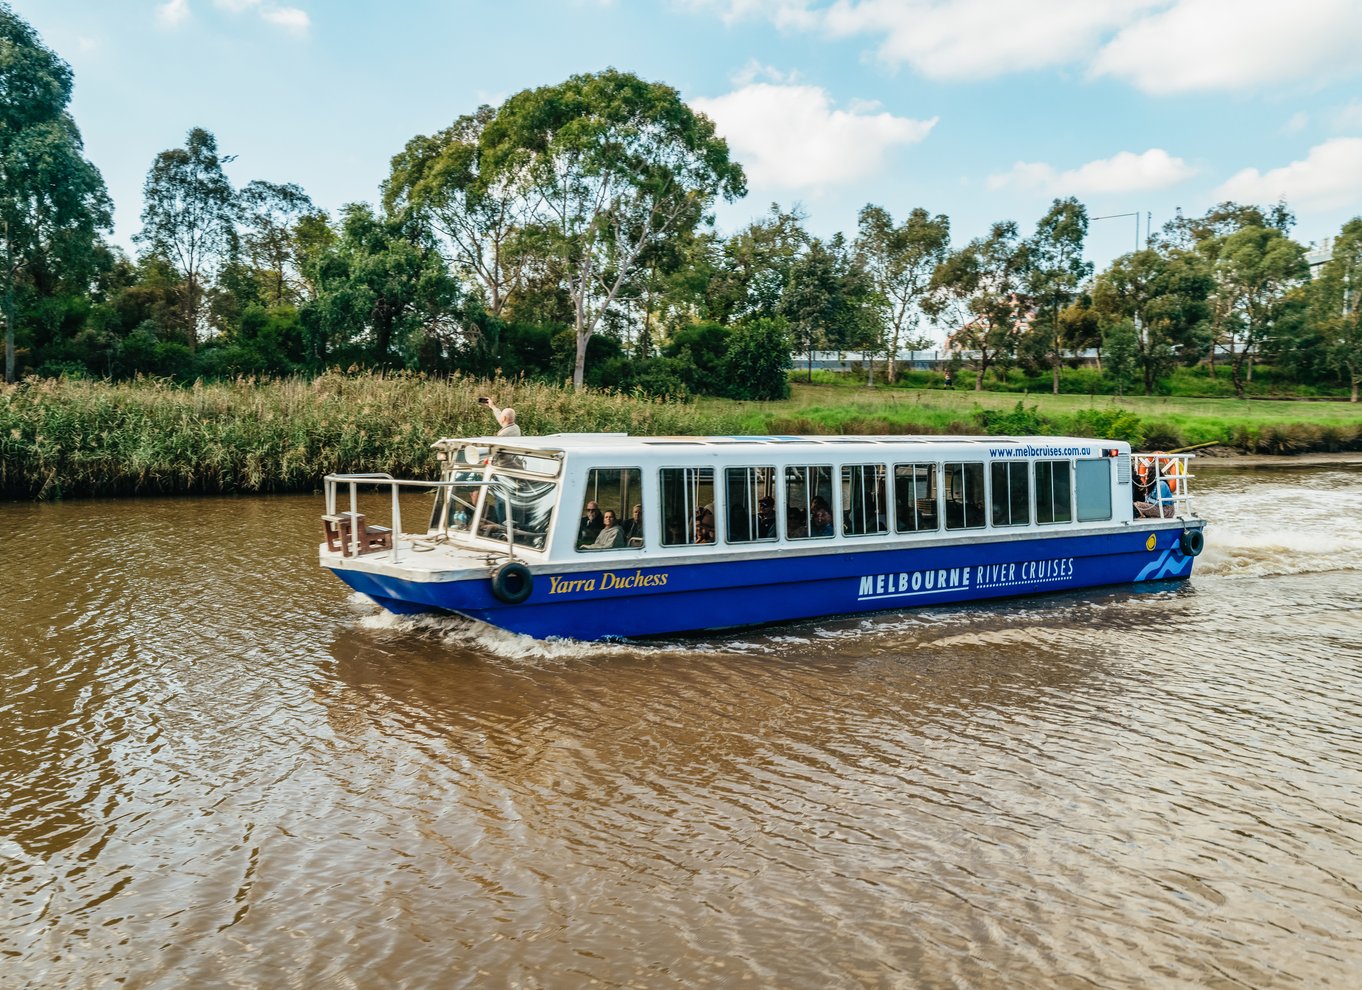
x,y
690,594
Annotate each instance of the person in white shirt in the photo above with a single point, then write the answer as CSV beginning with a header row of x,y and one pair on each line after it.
x,y
505,417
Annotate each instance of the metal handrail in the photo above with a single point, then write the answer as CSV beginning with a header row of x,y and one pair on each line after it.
x,y
378,478
1179,491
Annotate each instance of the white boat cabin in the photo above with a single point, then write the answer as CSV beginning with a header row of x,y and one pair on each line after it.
x,y
578,497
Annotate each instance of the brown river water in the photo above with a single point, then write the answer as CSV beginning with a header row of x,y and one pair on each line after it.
x,y
219,768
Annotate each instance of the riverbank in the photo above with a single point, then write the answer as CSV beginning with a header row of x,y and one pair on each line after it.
x,y
73,437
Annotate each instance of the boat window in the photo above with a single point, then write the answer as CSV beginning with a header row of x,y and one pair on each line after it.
x,y
529,463
460,501
750,500
808,502
1011,493
1054,501
612,510
687,505
531,504
1092,482
915,507
964,491
865,509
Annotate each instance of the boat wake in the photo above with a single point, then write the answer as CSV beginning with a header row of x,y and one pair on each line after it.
x,y
459,632
1275,529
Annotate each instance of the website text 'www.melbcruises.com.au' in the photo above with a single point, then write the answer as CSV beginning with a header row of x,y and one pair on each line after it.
x,y
1040,451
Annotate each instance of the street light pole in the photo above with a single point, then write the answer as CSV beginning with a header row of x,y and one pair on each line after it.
x,y
1136,215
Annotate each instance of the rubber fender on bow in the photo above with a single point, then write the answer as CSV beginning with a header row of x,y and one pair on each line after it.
x,y
1192,542
512,582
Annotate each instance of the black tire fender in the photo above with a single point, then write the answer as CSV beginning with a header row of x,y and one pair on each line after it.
x,y
512,582
1192,542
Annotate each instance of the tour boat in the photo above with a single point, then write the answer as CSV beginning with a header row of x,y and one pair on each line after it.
x,y
597,536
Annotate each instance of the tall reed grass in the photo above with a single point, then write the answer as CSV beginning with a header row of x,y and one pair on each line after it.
x,y
74,437
71,437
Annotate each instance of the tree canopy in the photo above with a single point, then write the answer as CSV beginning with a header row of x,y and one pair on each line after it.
x,y
53,202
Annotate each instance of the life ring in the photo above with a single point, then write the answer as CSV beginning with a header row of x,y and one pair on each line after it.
x,y
1144,469
512,582
1192,542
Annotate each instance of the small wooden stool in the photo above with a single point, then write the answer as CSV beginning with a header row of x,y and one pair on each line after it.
x,y
340,527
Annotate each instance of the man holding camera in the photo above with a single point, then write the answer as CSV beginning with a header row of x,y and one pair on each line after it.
x,y
505,417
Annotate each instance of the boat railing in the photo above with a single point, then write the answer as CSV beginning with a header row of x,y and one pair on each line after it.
x,y
345,529
1166,480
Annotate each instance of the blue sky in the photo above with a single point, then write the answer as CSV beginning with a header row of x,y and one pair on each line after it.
x,y
980,109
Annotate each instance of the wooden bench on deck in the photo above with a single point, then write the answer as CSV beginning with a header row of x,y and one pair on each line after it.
x,y
340,529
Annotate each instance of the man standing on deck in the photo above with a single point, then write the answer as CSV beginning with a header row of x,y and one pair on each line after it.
x,y
505,417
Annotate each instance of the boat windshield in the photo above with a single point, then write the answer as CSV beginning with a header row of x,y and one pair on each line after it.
x,y
531,503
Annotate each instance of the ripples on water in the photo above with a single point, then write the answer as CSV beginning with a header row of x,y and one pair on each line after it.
x,y
221,769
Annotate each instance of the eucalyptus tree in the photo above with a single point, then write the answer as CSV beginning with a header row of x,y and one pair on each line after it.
x,y
1255,269
1057,269
189,218
1206,235
478,213
269,215
900,261
753,268
980,292
1162,295
53,201
1336,305
607,164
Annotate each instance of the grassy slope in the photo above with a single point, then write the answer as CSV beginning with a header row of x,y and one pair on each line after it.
x,y
850,407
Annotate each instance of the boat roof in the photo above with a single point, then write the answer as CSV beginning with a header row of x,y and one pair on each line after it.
x,y
624,442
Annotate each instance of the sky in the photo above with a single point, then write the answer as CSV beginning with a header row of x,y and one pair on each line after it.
x,y
983,110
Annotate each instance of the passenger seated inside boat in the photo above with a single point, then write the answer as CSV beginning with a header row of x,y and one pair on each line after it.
x,y
633,529
766,518
611,536
822,518
796,524
704,529
591,524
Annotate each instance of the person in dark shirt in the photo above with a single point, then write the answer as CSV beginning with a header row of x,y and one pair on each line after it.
x,y
766,518
592,524
633,529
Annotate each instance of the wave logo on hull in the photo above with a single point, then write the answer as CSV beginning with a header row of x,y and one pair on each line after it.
x,y
1168,564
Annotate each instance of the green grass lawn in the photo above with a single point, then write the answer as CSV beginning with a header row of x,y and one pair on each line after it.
x,y
1278,426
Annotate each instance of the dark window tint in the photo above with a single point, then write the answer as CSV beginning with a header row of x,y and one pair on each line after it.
x,y
964,494
687,505
864,503
808,502
1011,493
915,501
1054,502
750,498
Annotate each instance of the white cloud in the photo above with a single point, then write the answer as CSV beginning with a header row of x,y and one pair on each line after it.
x,y
173,13
1160,46
755,70
969,39
288,18
1234,44
1325,180
1121,173
792,137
